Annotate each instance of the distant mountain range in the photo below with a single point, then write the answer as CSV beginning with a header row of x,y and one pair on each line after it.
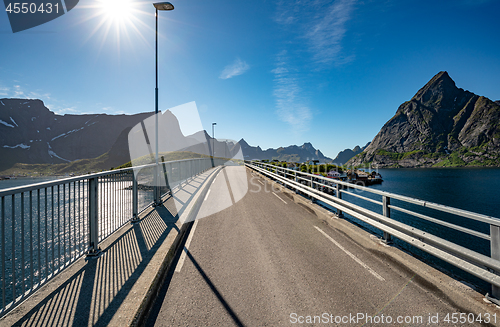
x,y
442,125
292,153
344,156
30,133
33,138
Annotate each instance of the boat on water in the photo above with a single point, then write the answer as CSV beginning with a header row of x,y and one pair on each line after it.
x,y
360,177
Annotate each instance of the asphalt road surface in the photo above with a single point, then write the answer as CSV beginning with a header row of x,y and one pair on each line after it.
x,y
259,259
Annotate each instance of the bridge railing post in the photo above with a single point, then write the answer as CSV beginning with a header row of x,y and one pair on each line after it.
x,y
296,180
386,211
135,199
156,187
93,217
339,196
313,200
495,254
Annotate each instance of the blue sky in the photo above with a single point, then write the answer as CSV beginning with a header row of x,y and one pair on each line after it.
x,y
273,72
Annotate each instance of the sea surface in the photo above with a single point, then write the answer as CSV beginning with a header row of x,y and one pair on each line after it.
x,y
20,181
471,189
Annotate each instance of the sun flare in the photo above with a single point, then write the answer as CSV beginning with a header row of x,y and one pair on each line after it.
x,y
117,22
116,10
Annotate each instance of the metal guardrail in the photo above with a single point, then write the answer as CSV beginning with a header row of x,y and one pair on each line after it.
x,y
484,267
47,226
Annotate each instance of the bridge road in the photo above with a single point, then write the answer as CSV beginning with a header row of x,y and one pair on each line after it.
x,y
266,258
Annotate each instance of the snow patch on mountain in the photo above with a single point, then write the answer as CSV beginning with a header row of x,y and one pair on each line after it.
x,y
67,133
22,146
2,103
6,124
58,136
14,121
75,130
53,154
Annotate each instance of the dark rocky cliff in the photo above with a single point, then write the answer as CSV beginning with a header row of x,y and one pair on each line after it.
x,y
32,134
345,155
442,125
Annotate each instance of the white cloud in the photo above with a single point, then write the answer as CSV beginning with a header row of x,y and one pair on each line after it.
x,y
63,110
320,27
4,91
290,104
36,95
327,31
322,24
238,67
18,93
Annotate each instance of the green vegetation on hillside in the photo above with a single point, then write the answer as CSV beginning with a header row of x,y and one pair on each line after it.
x,y
399,156
462,157
312,169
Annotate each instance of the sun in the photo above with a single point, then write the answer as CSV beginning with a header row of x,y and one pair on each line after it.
x,y
117,22
116,10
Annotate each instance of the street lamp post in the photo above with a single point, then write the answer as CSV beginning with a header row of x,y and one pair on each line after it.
x,y
158,6
213,141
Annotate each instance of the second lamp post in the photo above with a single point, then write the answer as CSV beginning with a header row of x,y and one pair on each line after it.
x,y
158,6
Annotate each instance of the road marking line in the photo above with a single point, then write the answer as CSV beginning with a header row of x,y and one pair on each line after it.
x,y
279,198
206,196
186,248
260,182
228,184
215,178
351,255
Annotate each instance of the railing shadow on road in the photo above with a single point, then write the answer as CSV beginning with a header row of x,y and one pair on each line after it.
x,y
95,292
155,311
216,292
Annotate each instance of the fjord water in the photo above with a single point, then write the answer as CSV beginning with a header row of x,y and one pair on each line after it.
x,y
15,182
472,189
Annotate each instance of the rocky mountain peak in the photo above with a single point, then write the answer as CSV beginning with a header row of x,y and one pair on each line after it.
x,y
440,120
440,93
308,146
243,143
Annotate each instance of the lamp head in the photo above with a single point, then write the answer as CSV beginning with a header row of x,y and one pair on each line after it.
x,y
163,6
